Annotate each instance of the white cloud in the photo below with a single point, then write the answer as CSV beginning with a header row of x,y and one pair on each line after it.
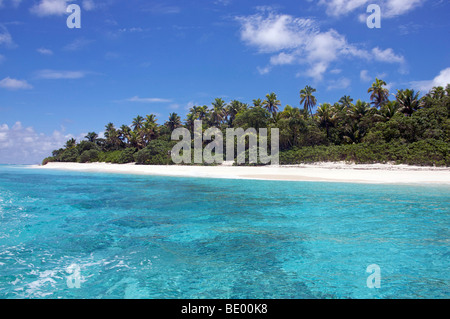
x,y
148,100
14,84
316,71
174,106
50,7
58,74
190,105
339,84
45,51
263,70
390,85
389,8
299,41
223,2
56,7
341,7
88,5
282,58
14,3
77,44
274,32
364,76
440,80
5,37
132,30
387,55
322,50
23,145
399,7
112,55
160,8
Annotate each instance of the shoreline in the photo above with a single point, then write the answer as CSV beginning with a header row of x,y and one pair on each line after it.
x,y
319,172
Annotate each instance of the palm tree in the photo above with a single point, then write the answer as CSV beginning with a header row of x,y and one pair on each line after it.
x,y
352,133
150,128
202,112
194,111
109,129
124,133
341,117
91,137
136,140
340,108
287,112
308,99
138,122
296,121
71,143
233,109
437,92
174,121
326,117
387,111
380,95
114,140
112,137
408,101
360,116
151,119
218,111
346,101
271,103
359,110
257,103
190,119
277,118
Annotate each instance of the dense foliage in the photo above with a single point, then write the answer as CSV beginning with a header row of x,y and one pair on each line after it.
x,y
406,130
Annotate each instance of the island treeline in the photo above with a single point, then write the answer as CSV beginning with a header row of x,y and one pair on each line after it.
x,y
401,128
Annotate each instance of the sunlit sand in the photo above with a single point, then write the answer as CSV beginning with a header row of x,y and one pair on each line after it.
x,y
324,172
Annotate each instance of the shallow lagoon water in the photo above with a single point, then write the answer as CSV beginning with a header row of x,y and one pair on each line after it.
x,y
166,237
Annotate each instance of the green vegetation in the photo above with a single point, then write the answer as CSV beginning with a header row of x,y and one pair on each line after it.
x,y
406,130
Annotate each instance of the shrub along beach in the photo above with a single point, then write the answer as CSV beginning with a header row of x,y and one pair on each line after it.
x,y
408,129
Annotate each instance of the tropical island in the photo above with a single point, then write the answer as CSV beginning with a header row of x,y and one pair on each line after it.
x,y
407,129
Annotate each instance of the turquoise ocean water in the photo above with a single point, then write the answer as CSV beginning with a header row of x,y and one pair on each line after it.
x,y
162,237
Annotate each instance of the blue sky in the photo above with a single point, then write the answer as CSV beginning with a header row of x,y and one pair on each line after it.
x,y
139,57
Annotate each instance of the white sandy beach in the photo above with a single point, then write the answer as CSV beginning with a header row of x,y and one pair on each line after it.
x,y
327,172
